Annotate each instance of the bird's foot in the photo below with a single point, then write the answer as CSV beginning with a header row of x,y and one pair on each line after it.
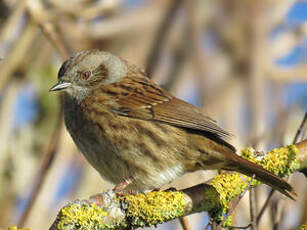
x,y
120,189
171,189
124,184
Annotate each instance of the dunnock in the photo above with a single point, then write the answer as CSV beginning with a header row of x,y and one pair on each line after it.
x,y
138,135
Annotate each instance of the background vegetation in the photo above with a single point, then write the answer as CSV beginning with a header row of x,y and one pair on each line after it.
x,y
243,62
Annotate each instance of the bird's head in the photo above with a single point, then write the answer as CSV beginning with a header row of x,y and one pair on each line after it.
x,y
87,70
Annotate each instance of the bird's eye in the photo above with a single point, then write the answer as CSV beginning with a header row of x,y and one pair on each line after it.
x,y
85,75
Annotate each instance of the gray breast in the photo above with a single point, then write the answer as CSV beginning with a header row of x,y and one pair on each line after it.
x,y
100,153
82,131
78,126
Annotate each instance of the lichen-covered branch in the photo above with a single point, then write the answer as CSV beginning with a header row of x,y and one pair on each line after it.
x,y
109,210
302,227
16,228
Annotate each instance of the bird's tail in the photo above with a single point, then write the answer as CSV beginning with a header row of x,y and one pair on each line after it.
x,y
248,168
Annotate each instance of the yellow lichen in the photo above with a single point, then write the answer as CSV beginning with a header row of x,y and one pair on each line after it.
x,y
224,188
212,202
81,216
302,227
13,227
250,154
281,162
154,207
228,222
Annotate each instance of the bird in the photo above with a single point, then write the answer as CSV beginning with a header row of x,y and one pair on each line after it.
x,y
136,134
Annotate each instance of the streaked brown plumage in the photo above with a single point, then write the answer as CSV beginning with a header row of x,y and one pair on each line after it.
x,y
128,127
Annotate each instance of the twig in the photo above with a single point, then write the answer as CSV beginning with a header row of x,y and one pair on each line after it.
x,y
4,12
208,225
11,21
50,30
295,139
214,226
252,208
276,127
285,75
281,205
53,36
241,227
88,11
185,223
17,53
155,51
300,129
258,32
195,28
237,201
136,21
6,125
41,175
178,59
266,203
279,213
279,13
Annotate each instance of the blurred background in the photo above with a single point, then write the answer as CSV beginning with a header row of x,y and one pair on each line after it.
x,y
243,62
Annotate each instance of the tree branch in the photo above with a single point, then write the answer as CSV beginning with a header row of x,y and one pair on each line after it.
x,y
110,210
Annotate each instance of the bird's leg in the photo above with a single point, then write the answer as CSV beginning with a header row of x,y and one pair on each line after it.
x,y
171,189
119,188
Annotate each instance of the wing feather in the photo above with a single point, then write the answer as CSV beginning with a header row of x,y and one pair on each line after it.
x,y
141,98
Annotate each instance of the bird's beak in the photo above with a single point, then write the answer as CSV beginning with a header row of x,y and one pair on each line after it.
x,y
60,86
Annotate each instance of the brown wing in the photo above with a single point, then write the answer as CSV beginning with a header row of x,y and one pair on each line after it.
x,y
141,98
